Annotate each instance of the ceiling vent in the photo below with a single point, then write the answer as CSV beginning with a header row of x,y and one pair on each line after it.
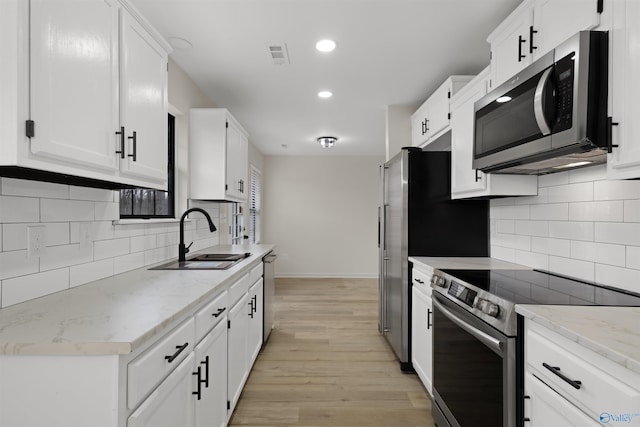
x,y
279,54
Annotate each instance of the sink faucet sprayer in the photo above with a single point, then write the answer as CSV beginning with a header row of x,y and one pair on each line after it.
x,y
182,250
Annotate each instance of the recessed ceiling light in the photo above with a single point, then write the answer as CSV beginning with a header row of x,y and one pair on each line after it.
x,y
326,45
325,94
327,141
179,43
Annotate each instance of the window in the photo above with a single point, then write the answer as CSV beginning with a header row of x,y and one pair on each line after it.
x,y
254,205
147,203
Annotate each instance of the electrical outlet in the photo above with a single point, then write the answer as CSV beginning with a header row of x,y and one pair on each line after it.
x,y
36,240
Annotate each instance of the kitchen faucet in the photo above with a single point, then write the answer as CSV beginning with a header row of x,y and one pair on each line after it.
x,y
182,250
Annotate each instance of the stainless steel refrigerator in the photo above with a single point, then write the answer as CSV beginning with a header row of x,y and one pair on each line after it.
x,y
418,218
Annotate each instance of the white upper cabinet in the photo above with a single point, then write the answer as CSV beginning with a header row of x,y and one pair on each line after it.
x,y
432,119
143,101
218,156
467,182
82,71
533,29
624,161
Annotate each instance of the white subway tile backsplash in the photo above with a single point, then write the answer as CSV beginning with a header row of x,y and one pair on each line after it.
x,y
625,233
24,288
593,173
66,210
596,211
111,248
560,178
15,235
579,192
617,190
533,260
91,271
36,189
571,267
533,228
633,257
92,194
603,253
571,230
550,246
505,226
552,211
17,263
107,211
512,241
624,278
505,254
632,210
19,209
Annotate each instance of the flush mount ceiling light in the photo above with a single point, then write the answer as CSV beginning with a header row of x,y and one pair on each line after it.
x,y
327,141
326,45
325,94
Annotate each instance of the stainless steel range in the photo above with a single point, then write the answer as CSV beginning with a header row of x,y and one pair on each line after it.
x,y
477,381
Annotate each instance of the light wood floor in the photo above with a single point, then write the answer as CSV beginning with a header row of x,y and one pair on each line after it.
x,y
326,365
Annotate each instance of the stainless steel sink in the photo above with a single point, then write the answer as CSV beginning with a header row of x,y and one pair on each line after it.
x,y
205,262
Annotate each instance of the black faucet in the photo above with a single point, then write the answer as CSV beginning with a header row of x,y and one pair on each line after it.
x,y
182,250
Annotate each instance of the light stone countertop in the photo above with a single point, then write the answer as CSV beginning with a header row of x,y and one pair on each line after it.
x,y
467,263
117,314
613,332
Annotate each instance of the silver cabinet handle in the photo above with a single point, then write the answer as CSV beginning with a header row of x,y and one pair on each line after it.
x,y
491,342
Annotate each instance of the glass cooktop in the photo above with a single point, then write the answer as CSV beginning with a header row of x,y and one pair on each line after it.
x,y
539,287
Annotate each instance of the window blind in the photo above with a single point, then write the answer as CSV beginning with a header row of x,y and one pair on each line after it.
x,y
254,204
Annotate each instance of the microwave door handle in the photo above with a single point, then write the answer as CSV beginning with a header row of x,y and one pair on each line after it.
x,y
538,106
491,342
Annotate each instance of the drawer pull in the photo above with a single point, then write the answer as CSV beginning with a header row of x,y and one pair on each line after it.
x,y
420,281
179,349
219,312
556,370
198,392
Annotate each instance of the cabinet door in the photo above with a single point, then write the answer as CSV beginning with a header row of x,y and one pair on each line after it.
x,y
211,357
237,349
439,109
509,46
74,82
255,321
143,103
555,21
465,179
237,162
421,338
624,162
420,125
546,408
171,404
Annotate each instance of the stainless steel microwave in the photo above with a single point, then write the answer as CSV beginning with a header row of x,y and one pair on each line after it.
x,y
549,117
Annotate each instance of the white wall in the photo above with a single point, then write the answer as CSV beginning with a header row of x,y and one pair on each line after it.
x,y
115,248
580,225
398,128
321,213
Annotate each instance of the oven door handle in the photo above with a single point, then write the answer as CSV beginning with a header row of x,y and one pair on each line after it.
x,y
491,342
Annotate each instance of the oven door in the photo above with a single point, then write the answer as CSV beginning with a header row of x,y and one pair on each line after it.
x,y
474,370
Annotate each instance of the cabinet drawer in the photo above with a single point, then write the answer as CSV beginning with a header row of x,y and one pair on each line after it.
x,y
581,376
238,289
158,361
421,280
211,314
255,274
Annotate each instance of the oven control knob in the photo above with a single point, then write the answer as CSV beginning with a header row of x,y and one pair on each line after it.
x,y
441,282
487,307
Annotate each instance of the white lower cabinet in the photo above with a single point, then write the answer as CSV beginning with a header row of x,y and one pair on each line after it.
x,y
190,376
238,349
171,404
211,374
422,327
567,384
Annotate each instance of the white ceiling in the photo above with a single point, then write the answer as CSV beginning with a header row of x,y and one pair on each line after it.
x,y
389,52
